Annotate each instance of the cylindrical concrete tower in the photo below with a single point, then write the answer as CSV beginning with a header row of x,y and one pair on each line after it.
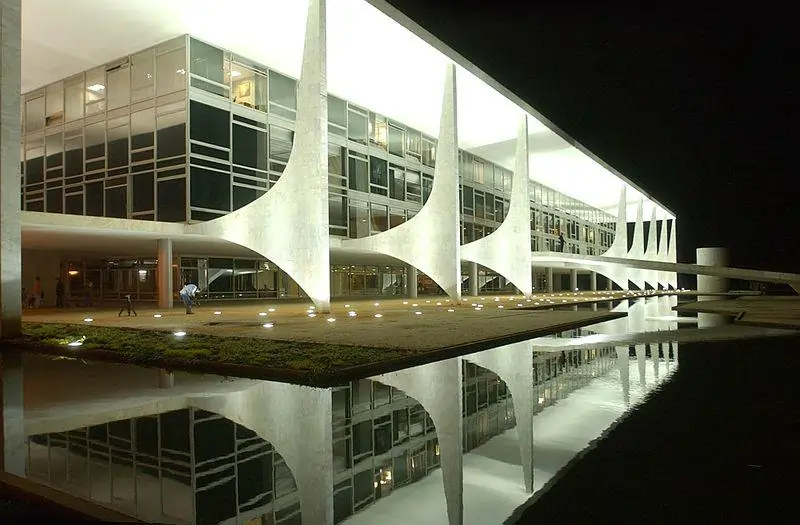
x,y
707,283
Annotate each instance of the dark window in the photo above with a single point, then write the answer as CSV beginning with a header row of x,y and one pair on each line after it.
x,y
206,61
358,174
55,200
172,141
94,199
209,124
34,170
397,183
337,210
143,192
73,162
210,189
118,152
280,143
171,205
73,204
35,206
249,147
117,202
378,175
243,196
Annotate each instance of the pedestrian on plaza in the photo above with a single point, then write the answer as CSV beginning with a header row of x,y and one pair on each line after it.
x,y
561,241
187,295
128,304
59,293
38,292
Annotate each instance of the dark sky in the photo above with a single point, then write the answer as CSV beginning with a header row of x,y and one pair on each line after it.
x,y
698,108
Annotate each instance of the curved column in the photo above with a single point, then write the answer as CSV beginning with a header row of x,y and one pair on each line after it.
x,y
10,136
437,386
619,247
296,420
514,364
662,253
651,251
672,252
637,276
507,250
289,224
430,240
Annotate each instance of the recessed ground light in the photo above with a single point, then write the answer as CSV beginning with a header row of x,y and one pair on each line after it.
x,y
496,299
405,302
312,315
309,311
217,313
500,306
417,313
156,315
75,343
478,308
331,319
427,301
352,314
474,304
376,304
347,306
312,307
262,314
415,304
271,310
519,305
268,325
450,310
378,315
88,320
438,304
179,334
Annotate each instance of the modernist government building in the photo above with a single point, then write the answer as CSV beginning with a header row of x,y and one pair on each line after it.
x,y
291,150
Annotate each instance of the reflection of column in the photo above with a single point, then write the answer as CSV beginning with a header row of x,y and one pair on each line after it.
x,y
437,387
641,361
164,273
654,350
10,229
593,281
473,279
411,279
296,420
711,284
12,412
514,364
166,379
623,363
573,280
549,279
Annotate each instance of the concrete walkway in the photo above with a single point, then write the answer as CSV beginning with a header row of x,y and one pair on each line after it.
x,y
769,311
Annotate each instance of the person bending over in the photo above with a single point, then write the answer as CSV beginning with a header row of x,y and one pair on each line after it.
x,y
187,294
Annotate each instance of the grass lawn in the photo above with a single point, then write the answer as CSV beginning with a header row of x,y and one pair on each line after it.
x,y
151,347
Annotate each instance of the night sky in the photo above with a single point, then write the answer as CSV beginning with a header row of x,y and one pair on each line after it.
x,y
697,108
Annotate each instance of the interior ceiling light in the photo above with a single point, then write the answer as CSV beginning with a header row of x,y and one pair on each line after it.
x,y
235,73
96,87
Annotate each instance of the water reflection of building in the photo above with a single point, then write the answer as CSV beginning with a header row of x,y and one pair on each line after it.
x,y
195,466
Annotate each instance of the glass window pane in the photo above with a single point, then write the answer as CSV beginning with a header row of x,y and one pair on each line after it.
x,y
95,140
94,199
379,218
55,200
171,72
210,189
207,61
73,156
359,220
34,114
117,140
358,174
337,111
54,104
280,143
243,196
337,210
413,142
282,90
73,98
54,148
95,91
73,204
357,127
396,140
171,205
143,124
117,202
209,124
34,160
379,129
143,197
119,86
143,75
249,147
397,183
248,88
171,135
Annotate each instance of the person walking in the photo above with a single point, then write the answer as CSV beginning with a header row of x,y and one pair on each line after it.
x,y
187,295
561,241
38,292
59,293
128,304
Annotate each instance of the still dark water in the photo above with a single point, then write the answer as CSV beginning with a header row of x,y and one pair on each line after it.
x,y
716,444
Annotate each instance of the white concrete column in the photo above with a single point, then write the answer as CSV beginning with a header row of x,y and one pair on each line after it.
x,y
711,284
473,279
164,274
10,229
437,386
12,414
641,363
548,272
623,364
411,279
573,280
609,285
593,281
514,364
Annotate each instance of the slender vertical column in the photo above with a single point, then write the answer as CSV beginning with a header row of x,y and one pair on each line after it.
x,y
473,279
593,281
573,280
437,386
609,285
164,273
12,415
549,279
623,363
166,378
641,362
411,278
10,229
711,284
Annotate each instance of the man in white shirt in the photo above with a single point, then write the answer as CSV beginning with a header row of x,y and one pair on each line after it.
x,y
187,294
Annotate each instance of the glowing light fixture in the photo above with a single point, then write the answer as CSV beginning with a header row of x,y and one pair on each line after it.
x,y
268,325
271,310
378,316
417,313
352,313
179,334
347,306
450,310
157,316
331,319
438,304
88,320
262,314
312,315
96,88
415,305
217,313
376,304
75,343
500,306
235,73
